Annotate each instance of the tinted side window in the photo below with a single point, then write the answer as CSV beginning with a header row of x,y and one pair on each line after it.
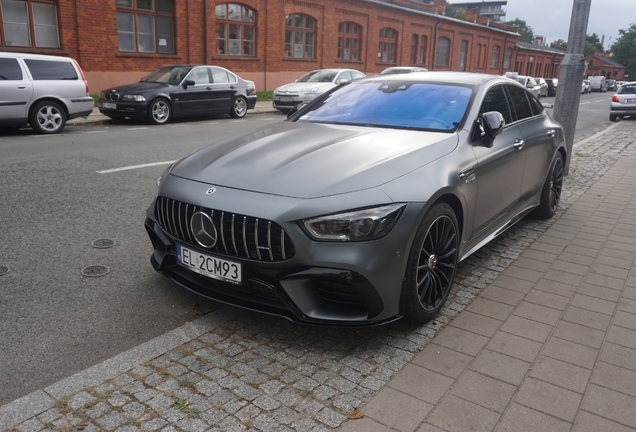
x,y
51,70
536,106
495,100
520,104
10,69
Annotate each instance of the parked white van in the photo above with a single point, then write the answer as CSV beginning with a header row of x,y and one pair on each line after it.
x,y
598,83
43,91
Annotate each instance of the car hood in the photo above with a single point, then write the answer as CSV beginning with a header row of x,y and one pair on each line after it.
x,y
306,160
138,87
300,86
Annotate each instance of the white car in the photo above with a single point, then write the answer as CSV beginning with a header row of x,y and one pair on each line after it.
x,y
309,86
41,90
623,102
528,82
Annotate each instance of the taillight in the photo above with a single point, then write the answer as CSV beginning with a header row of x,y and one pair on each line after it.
x,y
83,77
615,99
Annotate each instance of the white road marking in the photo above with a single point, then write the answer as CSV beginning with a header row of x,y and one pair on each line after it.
x,y
94,132
137,128
132,167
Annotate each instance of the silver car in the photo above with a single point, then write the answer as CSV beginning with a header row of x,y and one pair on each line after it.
x,y
311,85
43,91
358,209
528,82
623,103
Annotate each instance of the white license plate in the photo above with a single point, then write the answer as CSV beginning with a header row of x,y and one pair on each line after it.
x,y
210,266
109,105
286,99
630,100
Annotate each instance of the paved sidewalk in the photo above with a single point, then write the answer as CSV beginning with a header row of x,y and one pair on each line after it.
x,y
539,334
97,117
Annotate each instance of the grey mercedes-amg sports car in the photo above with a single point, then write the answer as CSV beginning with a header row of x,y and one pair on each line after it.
x,y
358,208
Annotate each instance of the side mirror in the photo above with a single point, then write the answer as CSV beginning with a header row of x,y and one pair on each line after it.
x,y
187,83
493,123
296,108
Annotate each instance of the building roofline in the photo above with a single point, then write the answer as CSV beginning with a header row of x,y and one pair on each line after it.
x,y
540,48
438,16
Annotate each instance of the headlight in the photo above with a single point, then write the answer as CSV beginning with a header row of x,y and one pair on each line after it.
x,y
133,98
311,90
356,225
101,95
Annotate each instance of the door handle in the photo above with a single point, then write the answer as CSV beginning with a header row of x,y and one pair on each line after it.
x,y
519,144
208,88
232,87
22,87
551,133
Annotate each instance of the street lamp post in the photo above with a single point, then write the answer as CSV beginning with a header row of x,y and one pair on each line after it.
x,y
568,96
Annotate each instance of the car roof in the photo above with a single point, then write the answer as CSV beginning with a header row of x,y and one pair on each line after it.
x,y
458,78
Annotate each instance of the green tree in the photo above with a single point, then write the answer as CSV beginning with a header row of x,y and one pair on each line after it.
x,y
561,42
526,32
624,50
592,44
453,12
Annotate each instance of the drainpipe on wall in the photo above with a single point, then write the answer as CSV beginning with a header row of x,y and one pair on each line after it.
x,y
439,20
205,31
504,54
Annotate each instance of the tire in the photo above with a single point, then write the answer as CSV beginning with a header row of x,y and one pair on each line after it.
x,y
431,265
239,107
47,117
159,112
551,193
613,117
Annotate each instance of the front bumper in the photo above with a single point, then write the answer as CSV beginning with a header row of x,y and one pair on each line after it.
x,y
137,110
323,283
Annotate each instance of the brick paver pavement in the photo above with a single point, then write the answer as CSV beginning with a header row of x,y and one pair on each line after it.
x,y
546,340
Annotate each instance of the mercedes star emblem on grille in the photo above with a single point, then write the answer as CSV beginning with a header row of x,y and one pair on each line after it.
x,y
203,229
210,191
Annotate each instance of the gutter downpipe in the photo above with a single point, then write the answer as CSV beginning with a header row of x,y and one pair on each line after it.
x,y
439,20
504,54
205,31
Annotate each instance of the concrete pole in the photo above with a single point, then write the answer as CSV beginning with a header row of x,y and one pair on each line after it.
x,y
568,95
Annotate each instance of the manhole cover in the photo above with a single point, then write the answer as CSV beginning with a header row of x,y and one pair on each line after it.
x,y
4,270
103,243
95,270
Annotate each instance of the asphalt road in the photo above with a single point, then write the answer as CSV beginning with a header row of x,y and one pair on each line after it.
x,y
60,193
53,320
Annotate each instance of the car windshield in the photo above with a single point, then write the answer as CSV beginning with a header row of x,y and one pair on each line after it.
x,y
318,76
394,104
168,75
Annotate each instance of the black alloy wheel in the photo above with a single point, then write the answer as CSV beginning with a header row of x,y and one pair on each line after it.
x,y
432,264
551,194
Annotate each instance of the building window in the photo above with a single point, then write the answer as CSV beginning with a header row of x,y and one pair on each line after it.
x,y
300,36
443,50
235,30
146,26
463,53
29,24
494,59
507,56
386,46
349,36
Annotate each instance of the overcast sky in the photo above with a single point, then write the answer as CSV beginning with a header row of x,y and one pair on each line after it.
x,y
551,18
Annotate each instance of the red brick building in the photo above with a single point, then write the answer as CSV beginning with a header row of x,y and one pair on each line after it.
x,y
600,64
268,41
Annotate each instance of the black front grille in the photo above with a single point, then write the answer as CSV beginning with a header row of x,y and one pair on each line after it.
x,y
339,293
240,236
111,96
